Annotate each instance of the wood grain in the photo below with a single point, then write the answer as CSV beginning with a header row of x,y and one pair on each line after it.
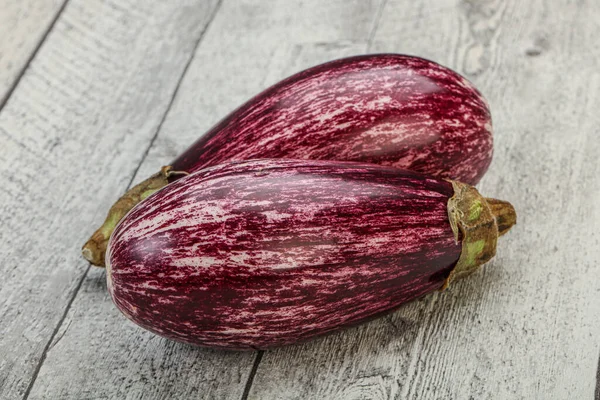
x,y
71,137
84,113
244,53
24,25
98,352
526,326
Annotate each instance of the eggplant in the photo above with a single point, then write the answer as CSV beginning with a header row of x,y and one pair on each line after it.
x,y
265,253
385,109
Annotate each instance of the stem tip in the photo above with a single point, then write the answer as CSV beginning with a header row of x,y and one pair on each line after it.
x,y
95,248
504,213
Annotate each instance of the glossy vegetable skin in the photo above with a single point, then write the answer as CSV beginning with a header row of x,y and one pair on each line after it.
x,y
386,109
271,252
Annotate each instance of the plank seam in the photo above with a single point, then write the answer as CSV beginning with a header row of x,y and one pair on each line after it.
x,y
177,86
56,329
252,374
81,280
376,22
259,355
34,53
415,353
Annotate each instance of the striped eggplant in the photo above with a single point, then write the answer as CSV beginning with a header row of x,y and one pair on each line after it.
x,y
263,253
385,109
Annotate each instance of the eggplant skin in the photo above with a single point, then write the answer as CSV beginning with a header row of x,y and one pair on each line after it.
x,y
386,109
264,253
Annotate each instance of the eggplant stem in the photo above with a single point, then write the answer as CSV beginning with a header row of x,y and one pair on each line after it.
x,y
95,248
477,222
504,214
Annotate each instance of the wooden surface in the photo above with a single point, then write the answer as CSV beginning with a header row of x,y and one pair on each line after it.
x,y
112,90
24,25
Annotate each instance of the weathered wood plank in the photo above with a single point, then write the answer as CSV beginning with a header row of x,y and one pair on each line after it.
x,y
71,136
98,353
258,45
481,339
527,325
23,26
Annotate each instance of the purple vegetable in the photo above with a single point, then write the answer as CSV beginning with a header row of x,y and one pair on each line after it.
x,y
266,253
385,109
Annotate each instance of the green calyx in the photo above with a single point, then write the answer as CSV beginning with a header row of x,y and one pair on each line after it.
x,y
476,222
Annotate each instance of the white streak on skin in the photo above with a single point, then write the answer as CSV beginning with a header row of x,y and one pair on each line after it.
x,y
302,108
330,245
329,115
198,262
274,216
212,213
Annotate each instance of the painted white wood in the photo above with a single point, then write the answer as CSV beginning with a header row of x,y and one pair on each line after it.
x,y
97,352
526,326
253,45
23,25
71,136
